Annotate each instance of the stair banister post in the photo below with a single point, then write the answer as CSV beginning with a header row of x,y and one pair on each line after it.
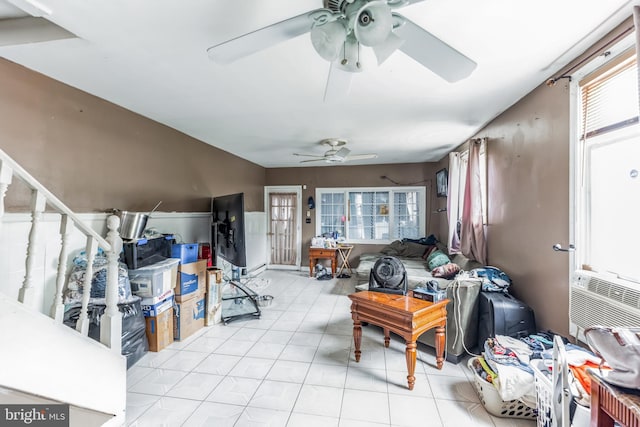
x,y
111,320
82,325
6,174
57,308
27,293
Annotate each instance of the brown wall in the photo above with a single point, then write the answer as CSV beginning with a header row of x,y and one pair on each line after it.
x,y
528,201
422,174
529,196
95,155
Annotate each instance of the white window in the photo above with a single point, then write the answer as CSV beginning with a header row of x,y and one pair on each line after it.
x,y
608,170
371,215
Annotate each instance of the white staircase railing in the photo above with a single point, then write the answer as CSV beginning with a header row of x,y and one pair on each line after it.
x,y
41,198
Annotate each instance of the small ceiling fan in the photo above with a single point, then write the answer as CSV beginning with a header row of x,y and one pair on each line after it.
x,y
345,32
337,153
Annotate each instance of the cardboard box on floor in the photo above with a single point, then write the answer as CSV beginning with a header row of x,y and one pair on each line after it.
x,y
189,314
191,278
213,304
160,330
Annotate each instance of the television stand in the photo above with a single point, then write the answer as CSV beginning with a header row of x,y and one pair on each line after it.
x,y
238,301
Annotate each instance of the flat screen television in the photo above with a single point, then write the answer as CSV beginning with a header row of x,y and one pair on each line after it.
x,y
228,228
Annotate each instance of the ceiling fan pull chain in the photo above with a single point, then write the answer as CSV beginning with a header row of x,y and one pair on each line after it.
x,y
344,53
358,61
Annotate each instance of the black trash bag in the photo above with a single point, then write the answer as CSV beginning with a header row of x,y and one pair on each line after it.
x,y
134,337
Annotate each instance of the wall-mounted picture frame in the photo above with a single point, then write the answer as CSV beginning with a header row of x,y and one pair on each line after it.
x,y
441,182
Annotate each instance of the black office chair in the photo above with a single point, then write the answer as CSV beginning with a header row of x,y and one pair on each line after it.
x,y
388,275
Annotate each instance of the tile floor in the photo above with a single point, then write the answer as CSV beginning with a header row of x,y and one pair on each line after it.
x,y
295,367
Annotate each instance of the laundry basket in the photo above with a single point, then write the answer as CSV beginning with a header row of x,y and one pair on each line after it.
x,y
544,383
492,402
543,393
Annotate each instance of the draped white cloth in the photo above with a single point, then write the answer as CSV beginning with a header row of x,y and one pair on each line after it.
x,y
472,236
453,198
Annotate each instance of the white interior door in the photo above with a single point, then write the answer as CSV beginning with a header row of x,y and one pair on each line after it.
x,y
284,229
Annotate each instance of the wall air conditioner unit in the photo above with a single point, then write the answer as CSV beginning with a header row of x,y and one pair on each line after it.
x,y
598,300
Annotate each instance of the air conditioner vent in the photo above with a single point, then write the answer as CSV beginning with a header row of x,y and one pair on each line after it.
x,y
594,300
621,293
588,309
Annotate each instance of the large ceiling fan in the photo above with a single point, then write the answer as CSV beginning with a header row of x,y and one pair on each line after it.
x,y
345,32
337,153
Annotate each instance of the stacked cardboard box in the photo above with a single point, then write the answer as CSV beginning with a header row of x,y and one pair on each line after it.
x,y
158,313
213,305
160,330
189,309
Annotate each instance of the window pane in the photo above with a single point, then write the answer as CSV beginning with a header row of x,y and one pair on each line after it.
x,y
332,213
369,215
613,205
406,215
376,216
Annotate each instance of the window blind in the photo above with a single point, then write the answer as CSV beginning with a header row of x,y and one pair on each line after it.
x,y
607,102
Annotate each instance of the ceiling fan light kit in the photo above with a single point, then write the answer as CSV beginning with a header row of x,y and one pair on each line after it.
x,y
373,23
328,39
339,31
337,153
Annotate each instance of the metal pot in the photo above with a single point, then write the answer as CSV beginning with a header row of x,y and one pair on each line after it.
x,y
132,224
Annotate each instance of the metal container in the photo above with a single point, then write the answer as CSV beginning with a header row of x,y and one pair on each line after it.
x,y
264,300
132,224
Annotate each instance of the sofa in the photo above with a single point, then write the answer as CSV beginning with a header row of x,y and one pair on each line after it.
x,y
462,291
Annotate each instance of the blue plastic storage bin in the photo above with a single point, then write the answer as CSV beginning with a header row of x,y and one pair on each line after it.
x,y
187,252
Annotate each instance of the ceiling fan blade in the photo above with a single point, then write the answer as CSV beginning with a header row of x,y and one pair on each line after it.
x,y
313,160
245,45
387,47
309,155
342,153
338,84
432,52
361,157
394,4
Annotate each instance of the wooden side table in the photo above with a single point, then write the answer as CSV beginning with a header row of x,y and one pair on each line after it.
x,y
323,253
611,404
406,316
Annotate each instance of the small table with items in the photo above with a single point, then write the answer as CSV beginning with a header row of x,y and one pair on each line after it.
x,y
610,404
406,316
344,251
323,253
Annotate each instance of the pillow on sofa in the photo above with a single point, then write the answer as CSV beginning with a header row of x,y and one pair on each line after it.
x,y
446,271
436,259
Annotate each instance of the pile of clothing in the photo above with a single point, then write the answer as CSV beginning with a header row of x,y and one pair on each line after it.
x,y
506,362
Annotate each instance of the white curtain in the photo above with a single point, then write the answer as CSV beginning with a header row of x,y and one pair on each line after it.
x,y
453,197
472,239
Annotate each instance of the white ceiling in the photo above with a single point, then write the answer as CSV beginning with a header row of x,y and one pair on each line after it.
x,y
150,56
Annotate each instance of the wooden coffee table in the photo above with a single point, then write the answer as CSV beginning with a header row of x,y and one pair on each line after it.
x,y
404,315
